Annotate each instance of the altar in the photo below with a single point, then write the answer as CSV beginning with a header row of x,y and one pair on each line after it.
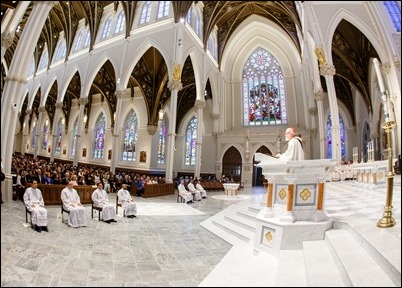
x,y
231,189
294,210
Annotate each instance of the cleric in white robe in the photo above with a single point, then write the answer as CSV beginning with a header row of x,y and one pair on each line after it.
x,y
187,196
33,200
126,201
194,191
100,199
72,203
201,189
295,150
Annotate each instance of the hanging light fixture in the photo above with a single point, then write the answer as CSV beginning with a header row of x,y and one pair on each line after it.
x,y
161,113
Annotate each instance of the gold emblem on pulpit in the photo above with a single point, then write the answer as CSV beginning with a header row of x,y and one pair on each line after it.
x,y
380,175
305,194
282,193
268,236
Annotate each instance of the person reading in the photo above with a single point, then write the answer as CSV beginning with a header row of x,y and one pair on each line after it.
x,y
295,150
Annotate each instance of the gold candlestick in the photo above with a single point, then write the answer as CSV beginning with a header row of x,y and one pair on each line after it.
x,y
387,220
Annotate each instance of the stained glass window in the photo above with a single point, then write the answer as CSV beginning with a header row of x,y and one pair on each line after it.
x,y
163,131
34,136
394,12
121,20
191,141
163,9
130,136
264,98
59,133
329,137
75,133
366,140
100,130
45,135
106,27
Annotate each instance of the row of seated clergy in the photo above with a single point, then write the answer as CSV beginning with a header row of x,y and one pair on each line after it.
x,y
193,192
343,172
124,199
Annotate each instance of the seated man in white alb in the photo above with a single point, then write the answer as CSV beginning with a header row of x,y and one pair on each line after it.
x,y
126,201
200,188
100,199
72,204
187,196
33,200
195,192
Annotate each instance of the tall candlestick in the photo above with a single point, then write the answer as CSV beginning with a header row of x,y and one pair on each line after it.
x,y
382,89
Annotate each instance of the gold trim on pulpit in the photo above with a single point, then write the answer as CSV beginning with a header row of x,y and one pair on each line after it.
x,y
269,195
268,236
320,201
289,204
282,193
305,194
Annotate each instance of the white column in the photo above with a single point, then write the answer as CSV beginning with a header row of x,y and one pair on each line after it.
x,y
328,71
42,111
200,105
25,131
117,124
319,96
59,110
82,102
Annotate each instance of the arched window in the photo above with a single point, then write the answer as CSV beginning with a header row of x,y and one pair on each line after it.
x,y
264,98
163,9
34,136
191,141
74,134
106,28
197,25
87,39
163,131
212,46
60,51
189,16
394,12
100,130
78,44
130,136
366,140
329,137
145,12
44,60
45,135
121,20
59,133
31,69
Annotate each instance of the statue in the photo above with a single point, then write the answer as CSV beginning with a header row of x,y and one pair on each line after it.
x,y
177,72
320,56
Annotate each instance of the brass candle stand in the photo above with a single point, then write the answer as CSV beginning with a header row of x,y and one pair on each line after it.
x,y
387,220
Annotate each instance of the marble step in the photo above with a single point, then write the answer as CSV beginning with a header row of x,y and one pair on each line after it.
x,y
247,215
243,222
356,265
321,269
291,270
383,246
234,231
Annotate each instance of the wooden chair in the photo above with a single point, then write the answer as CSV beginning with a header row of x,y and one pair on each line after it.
x,y
63,210
99,209
180,198
26,216
119,205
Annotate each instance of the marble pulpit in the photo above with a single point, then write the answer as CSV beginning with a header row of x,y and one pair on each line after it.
x,y
295,199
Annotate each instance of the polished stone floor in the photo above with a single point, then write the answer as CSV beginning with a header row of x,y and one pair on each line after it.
x,y
163,246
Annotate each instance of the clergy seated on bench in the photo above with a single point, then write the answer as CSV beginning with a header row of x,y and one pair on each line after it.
x,y
72,204
200,188
186,195
101,200
34,204
196,193
126,201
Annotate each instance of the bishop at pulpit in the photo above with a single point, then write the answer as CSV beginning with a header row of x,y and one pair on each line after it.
x,y
295,199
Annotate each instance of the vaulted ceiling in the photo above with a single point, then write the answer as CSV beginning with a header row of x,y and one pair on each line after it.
x,y
351,50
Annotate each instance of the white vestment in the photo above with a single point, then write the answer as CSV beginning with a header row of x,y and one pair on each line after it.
x,y
72,203
33,200
125,200
295,150
201,189
100,199
194,191
184,193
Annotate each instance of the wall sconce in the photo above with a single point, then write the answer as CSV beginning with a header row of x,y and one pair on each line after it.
x,y
47,122
62,121
85,118
160,115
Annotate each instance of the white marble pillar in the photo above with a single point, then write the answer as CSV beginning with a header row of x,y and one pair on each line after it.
x,y
116,151
200,105
25,131
39,130
82,102
58,112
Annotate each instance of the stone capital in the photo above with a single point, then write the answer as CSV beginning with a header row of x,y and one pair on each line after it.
x,y
28,112
327,70
119,94
175,85
83,101
151,128
59,105
199,104
386,68
42,109
7,40
215,116
320,95
313,111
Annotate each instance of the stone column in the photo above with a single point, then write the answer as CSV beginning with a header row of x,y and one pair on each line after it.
x,y
59,107
174,86
319,96
82,102
25,131
42,110
200,105
116,151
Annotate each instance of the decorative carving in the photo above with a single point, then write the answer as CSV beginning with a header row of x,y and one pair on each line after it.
x,y
320,56
199,104
320,95
152,129
327,70
28,112
313,111
83,101
282,193
119,94
305,194
177,72
59,105
386,68
215,116
175,85
42,109
7,40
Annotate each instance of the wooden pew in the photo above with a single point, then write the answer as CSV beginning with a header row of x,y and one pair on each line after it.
x,y
52,193
152,190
